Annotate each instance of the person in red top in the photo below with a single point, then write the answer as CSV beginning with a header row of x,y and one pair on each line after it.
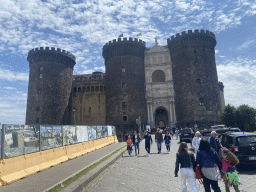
x,y
228,171
129,145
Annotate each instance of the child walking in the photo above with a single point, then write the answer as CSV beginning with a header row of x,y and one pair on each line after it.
x,y
228,171
129,145
167,140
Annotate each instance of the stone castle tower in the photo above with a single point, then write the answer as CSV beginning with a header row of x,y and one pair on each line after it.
x,y
125,83
197,94
50,83
173,85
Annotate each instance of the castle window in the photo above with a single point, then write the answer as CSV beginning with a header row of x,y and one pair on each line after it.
x,y
158,76
97,88
37,120
83,89
201,101
123,70
92,88
194,51
79,89
74,89
101,88
123,85
125,118
41,76
122,58
41,68
39,91
198,81
37,108
124,105
90,109
88,89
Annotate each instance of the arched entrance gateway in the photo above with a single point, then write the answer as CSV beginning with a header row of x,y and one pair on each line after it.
x,y
161,117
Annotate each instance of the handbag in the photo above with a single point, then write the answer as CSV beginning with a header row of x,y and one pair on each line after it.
x,y
198,175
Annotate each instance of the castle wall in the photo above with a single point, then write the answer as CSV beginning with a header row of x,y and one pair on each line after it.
x,y
125,84
197,95
89,100
50,81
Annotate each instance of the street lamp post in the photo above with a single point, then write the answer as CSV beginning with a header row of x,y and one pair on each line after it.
x,y
74,110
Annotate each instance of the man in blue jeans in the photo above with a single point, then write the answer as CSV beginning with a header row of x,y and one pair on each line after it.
x,y
136,142
159,140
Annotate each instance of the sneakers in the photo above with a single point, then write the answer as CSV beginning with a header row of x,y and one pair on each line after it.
x,y
148,154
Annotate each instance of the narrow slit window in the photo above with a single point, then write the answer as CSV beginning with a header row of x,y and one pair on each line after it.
x,y
124,105
125,118
201,101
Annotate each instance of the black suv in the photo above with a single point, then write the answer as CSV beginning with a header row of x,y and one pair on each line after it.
x,y
242,144
186,134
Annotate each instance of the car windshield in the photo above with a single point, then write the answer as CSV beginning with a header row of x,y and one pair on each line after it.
x,y
185,131
244,141
218,126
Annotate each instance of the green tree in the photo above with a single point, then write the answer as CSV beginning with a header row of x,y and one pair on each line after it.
x,y
245,118
227,116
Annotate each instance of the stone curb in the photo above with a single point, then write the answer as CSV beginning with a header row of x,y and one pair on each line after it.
x,y
82,183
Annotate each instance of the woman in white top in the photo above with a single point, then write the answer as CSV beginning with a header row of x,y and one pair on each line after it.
x,y
196,141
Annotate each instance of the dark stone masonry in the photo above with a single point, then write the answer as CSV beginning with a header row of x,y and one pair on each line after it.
x,y
118,97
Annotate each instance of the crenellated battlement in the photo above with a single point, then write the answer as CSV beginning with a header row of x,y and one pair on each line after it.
x,y
124,41
118,47
188,33
48,54
51,50
196,38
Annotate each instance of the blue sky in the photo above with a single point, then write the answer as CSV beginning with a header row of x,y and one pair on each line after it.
x,y
83,27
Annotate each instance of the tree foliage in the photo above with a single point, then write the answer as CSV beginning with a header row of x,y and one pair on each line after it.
x,y
242,117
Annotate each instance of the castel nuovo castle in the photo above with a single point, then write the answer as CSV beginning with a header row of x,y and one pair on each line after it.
x,y
164,86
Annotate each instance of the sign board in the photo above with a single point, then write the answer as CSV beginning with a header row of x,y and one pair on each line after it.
x,y
138,121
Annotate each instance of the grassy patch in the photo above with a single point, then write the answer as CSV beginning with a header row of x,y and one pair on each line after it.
x,y
83,172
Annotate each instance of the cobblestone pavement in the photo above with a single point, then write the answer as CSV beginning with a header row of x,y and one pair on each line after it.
x,y
155,173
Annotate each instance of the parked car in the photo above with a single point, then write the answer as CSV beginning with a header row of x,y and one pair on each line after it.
x,y
242,144
206,134
186,134
218,126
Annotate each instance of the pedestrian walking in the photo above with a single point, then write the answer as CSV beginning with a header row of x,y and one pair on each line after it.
x,y
148,141
167,140
126,136
228,171
172,132
209,163
196,141
187,163
177,132
214,142
136,142
129,145
159,140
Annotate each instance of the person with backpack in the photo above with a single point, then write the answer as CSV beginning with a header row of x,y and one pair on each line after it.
x,y
187,163
136,142
167,140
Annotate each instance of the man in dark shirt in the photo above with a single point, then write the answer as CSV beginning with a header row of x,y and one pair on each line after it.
x,y
159,140
214,142
148,139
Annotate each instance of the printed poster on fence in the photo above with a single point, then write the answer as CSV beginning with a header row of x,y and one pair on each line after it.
x,y
82,134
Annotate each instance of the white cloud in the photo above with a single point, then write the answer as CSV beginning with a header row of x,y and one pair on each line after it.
x,y
13,76
239,78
